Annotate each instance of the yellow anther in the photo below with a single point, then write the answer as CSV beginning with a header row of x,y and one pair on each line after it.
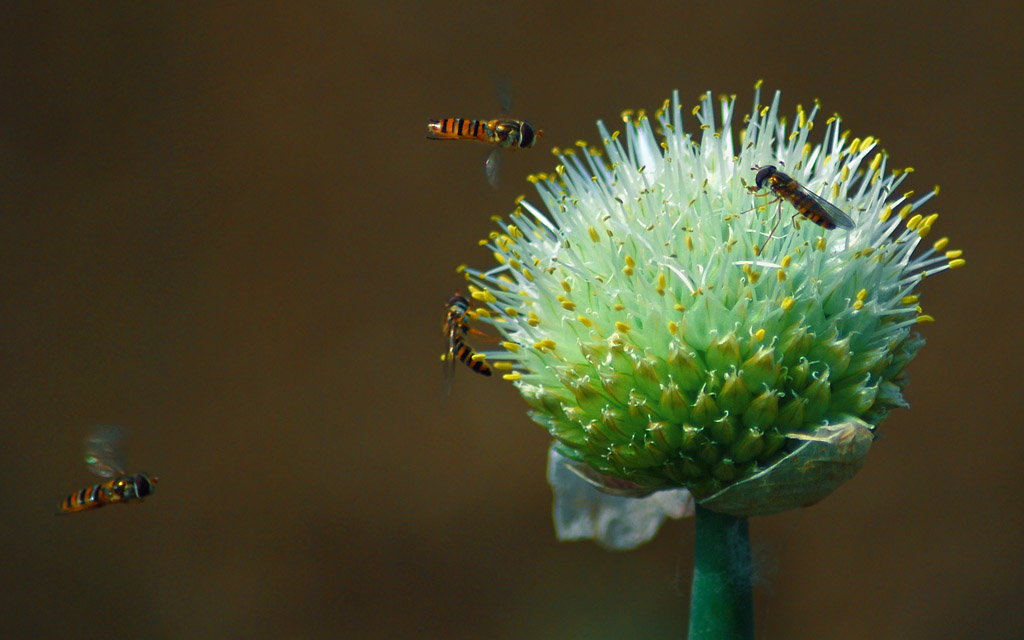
x,y
547,343
618,306
914,221
820,244
566,286
484,296
695,110
482,242
956,264
925,318
765,111
909,170
661,284
502,366
555,151
519,199
581,144
886,213
673,328
909,299
460,268
788,303
478,357
527,274
679,307
623,327
941,244
568,305
786,260
511,312
862,294
858,305
532,319
630,262
905,210
876,162
585,321
514,231
781,275
759,335
615,136
510,346
515,264
500,258
512,376
560,169
593,234
689,242
627,270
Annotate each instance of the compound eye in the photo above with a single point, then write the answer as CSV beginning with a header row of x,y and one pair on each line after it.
x,y
763,175
526,136
142,486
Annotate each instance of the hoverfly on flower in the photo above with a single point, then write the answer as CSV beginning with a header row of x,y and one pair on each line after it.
x,y
456,328
807,203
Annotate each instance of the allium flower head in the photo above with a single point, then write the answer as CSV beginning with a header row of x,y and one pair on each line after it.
x,y
664,345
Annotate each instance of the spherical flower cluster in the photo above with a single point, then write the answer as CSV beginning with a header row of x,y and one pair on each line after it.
x,y
664,344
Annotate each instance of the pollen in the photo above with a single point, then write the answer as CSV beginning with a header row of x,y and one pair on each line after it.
x,y
568,305
673,328
585,321
499,258
623,327
546,343
914,222
502,366
905,211
954,254
924,318
512,376
858,305
788,303
956,264
478,357
886,213
533,320
941,244
510,346
618,306
593,234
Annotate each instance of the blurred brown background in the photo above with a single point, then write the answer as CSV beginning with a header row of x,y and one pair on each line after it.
x,y
223,228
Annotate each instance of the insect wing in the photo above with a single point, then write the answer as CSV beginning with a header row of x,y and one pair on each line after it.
x,y
833,212
103,451
449,352
492,166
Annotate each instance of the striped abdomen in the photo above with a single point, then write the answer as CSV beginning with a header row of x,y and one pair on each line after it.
x,y
89,498
464,353
459,129
807,206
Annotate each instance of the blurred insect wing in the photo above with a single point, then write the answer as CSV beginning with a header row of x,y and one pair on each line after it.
x,y
493,166
104,452
449,353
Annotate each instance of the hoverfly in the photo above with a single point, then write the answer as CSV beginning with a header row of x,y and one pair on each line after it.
x,y
455,329
103,456
502,132
807,203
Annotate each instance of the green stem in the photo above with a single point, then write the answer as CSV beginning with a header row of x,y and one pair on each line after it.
x,y
721,603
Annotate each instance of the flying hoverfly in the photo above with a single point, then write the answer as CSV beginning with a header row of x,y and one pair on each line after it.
x,y
807,203
501,132
456,328
103,456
